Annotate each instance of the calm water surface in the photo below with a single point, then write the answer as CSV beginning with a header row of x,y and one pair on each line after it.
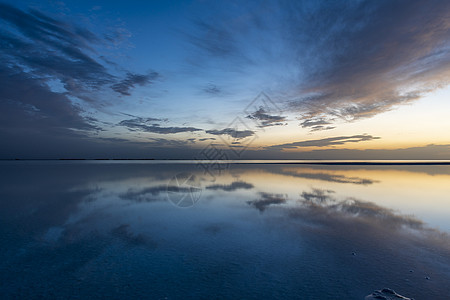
x,y
244,231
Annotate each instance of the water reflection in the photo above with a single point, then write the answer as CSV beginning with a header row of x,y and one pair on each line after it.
x,y
330,176
278,231
266,200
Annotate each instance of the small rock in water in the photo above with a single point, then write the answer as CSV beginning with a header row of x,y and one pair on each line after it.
x,y
386,294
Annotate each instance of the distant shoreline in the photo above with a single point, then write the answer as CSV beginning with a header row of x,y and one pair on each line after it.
x,y
258,161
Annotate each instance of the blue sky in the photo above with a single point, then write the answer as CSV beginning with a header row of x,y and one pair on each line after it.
x,y
260,79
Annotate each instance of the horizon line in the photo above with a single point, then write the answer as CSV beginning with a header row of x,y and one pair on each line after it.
x,y
256,161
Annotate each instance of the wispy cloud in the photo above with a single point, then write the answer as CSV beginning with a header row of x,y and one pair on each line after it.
x,y
237,134
316,124
123,87
371,57
265,119
206,139
150,125
160,142
212,89
325,142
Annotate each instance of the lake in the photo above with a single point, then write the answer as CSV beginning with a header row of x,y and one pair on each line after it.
x,y
189,230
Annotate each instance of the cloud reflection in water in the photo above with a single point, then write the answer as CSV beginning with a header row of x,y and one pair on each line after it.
x,y
267,235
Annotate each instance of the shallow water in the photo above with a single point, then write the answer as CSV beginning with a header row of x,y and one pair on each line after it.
x,y
247,231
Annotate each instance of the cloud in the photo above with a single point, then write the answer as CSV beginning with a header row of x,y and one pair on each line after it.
x,y
136,121
214,39
149,125
168,130
321,127
123,87
237,134
160,142
439,152
371,55
316,124
56,48
37,54
231,187
266,200
29,108
325,142
212,89
49,48
266,119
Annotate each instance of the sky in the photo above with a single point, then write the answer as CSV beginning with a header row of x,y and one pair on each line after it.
x,y
225,79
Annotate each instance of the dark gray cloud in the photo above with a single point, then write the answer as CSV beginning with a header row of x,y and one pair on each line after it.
x,y
150,125
160,142
231,187
316,124
237,134
206,139
266,200
35,49
56,48
136,121
321,127
37,54
29,107
123,87
168,130
265,119
325,142
49,48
